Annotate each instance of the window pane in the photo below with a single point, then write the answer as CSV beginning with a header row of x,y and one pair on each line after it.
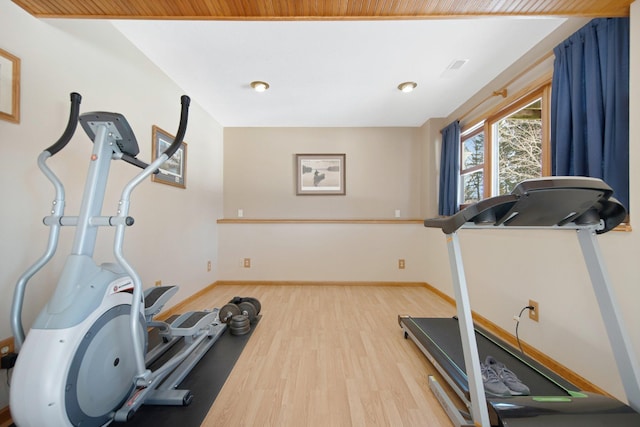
x,y
473,151
472,187
519,147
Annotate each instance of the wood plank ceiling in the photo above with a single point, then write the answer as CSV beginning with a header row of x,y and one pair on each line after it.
x,y
318,9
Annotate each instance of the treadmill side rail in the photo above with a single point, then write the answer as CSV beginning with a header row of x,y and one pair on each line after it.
x,y
454,414
477,396
623,351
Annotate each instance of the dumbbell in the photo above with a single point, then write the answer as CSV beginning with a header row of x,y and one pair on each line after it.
x,y
239,313
228,311
254,301
236,319
239,324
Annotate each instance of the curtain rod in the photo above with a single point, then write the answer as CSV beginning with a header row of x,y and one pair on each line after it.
x,y
504,90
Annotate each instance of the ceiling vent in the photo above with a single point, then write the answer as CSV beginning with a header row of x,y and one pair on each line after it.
x,y
454,67
457,64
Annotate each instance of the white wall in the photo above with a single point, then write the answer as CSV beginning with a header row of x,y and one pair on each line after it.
x,y
323,252
175,232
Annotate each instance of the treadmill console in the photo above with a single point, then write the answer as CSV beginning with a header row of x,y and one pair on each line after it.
x,y
543,202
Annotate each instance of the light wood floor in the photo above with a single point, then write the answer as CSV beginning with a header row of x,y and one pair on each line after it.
x,y
329,356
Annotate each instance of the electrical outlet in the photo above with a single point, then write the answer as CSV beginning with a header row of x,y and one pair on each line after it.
x,y
247,263
158,282
6,346
208,265
401,264
535,313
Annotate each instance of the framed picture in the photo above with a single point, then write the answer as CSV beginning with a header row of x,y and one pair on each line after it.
x,y
320,174
173,171
9,87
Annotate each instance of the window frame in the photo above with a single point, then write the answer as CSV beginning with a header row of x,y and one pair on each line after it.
x,y
469,133
486,124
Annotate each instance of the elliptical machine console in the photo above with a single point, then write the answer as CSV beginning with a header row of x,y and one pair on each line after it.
x,y
85,359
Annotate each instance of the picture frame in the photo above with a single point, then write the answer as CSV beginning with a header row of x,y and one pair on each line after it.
x,y
320,174
9,87
173,171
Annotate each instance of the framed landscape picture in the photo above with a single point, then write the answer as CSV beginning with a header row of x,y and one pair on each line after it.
x,y
173,171
320,174
9,87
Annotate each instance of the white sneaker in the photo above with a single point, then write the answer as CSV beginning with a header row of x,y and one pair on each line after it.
x,y
507,377
492,383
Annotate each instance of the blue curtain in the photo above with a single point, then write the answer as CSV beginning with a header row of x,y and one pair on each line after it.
x,y
449,169
590,105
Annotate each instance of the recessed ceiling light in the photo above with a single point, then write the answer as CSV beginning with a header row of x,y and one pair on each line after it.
x,y
259,86
407,87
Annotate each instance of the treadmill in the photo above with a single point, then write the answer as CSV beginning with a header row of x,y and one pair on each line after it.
x,y
584,205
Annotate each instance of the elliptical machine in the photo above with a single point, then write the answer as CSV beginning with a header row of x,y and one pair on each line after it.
x,y
85,359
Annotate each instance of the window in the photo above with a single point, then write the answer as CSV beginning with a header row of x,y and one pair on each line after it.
x,y
472,166
505,149
517,147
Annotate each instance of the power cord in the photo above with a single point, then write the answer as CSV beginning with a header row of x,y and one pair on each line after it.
x,y
517,318
7,362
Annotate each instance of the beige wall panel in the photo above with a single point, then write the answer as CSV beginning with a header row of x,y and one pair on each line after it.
x,y
382,172
324,252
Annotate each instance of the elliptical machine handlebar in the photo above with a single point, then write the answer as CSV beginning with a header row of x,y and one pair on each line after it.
x,y
182,128
74,113
57,210
142,373
72,124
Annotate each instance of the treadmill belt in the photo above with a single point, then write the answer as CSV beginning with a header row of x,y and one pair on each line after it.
x,y
442,337
551,403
